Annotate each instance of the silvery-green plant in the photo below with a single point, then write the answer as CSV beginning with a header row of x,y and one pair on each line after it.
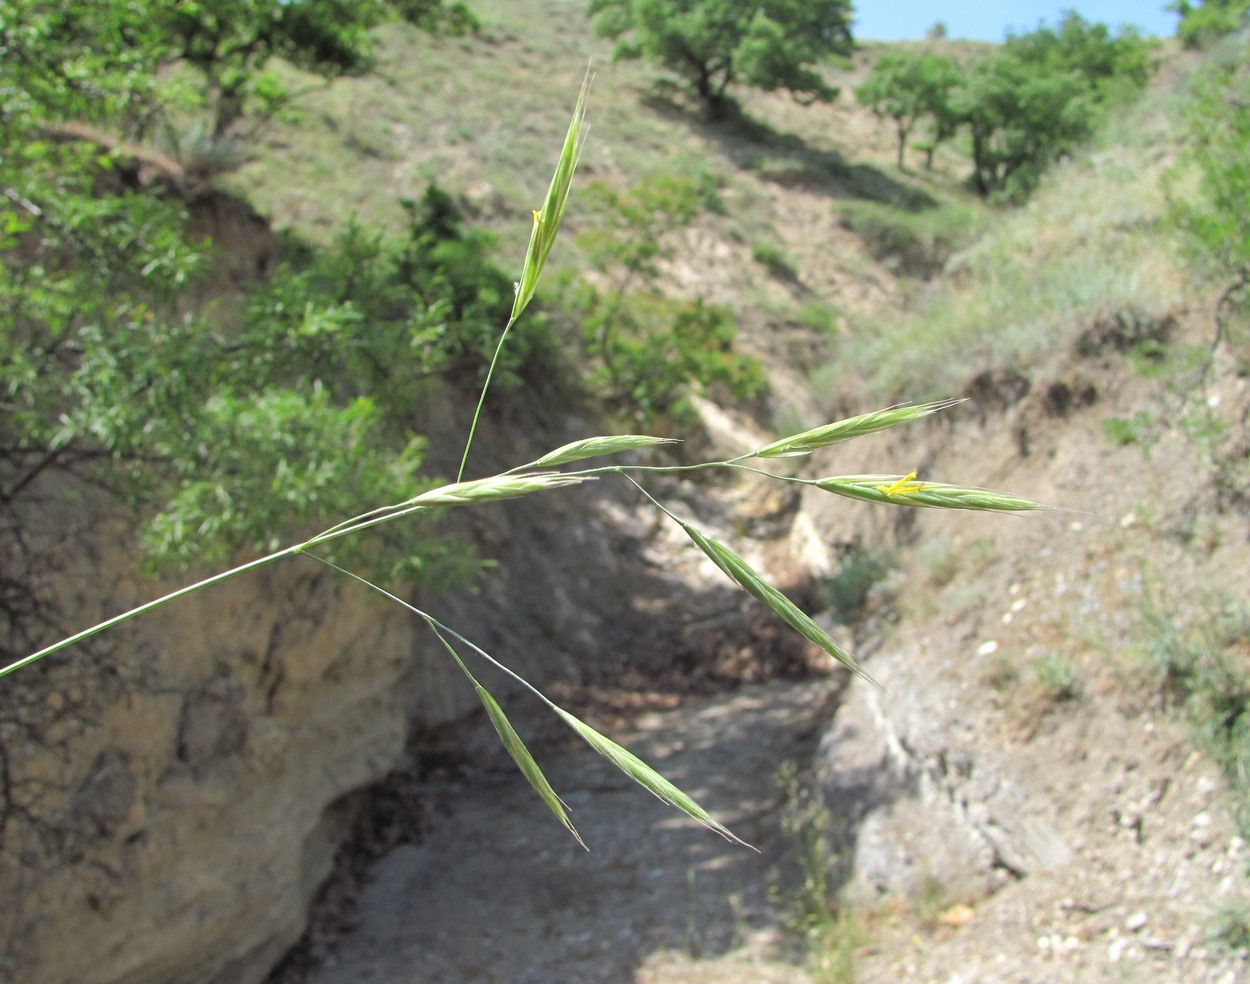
x,y
551,471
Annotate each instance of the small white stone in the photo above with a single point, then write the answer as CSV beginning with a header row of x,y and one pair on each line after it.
x,y
1136,922
1007,617
1019,604
1202,820
1076,526
1128,520
988,648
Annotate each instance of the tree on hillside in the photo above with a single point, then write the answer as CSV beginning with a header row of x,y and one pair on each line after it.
x,y
1020,120
110,58
712,44
1206,20
1109,63
906,86
230,41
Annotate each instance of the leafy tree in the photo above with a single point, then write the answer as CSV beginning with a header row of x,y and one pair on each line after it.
x,y
80,56
906,86
220,431
1023,106
231,41
1019,121
1042,94
712,44
1110,64
1207,20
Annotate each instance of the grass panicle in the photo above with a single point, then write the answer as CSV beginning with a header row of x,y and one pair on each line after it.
x,y
647,777
901,490
542,238
524,759
594,447
547,219
524,480
846,430
495,488
740,571
521,754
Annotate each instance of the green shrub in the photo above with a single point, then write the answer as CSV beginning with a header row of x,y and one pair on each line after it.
x,y
1057,677
1216,220
774,260
848,591
917,242
644,353
1123,431
1229,926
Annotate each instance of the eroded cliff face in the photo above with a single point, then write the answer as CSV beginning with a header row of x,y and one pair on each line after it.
x,y
182,826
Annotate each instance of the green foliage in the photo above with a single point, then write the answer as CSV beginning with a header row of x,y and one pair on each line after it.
x,y
770,45
1216,219
1208,20
773,259
832,930
652,352
462,297
1057,678
1019,121
847,592
1229,926
1023,106
1123,431
230,434
229,42
914,243
223,428
1043,94
648,352
111,59
907,86
1111,65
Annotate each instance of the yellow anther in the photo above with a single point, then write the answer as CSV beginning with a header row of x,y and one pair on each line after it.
x,y
903,486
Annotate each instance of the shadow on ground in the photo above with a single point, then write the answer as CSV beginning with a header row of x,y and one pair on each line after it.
x,y
787,159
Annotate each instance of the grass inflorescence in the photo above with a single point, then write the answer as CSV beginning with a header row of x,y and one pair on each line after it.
x,y
548,473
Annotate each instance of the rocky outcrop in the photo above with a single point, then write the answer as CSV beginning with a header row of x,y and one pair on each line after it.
x,y
182,830
917,802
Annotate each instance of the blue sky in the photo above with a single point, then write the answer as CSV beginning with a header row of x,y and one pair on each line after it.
x,y
985,20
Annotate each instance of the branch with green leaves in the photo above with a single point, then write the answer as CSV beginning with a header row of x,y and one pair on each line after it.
x,y
552,471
